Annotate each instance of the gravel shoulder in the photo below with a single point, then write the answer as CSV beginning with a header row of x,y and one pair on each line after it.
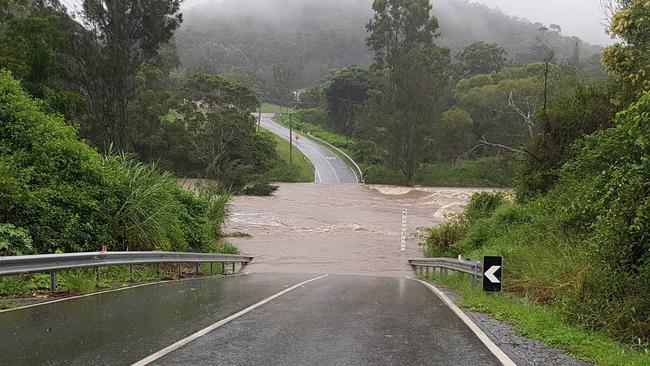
x,y
523,351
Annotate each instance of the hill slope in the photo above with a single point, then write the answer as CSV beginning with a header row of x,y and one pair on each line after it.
x,y
316,36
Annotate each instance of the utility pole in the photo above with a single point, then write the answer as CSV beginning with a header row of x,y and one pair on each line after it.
x,y
290,141
259,119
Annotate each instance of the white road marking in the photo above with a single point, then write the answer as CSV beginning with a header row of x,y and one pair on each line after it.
x,y
270,124
496,351
204,331
328,162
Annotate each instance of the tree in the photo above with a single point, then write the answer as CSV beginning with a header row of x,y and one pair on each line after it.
x,y
482,58
398,26
402,35
575,56
345,94
117,39
453,135
629,61
284,80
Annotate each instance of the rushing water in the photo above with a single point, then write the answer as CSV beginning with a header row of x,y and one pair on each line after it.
x,y
342,229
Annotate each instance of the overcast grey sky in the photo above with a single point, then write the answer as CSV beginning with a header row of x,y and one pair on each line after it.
x,y
582,18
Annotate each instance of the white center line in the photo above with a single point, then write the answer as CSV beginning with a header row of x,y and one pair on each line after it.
x,y
204,331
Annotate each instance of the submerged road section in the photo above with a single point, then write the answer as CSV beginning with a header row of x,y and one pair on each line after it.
x,y
309,320
330,168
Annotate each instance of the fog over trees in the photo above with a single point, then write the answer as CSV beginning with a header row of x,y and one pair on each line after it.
x,y
314,36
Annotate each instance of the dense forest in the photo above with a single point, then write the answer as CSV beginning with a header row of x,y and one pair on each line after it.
x,y
248,37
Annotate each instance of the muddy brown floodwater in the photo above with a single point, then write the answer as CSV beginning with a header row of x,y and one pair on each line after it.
x,y
338,229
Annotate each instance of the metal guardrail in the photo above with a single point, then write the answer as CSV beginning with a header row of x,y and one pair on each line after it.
x,y
51,263
443,265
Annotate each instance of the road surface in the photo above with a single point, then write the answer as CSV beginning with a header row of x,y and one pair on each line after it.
x,y
330,168
333,320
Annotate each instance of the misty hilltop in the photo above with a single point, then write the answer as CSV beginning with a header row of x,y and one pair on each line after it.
x,y
249,36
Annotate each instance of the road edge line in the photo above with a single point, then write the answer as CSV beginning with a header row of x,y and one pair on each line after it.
x,y
171,348
491,346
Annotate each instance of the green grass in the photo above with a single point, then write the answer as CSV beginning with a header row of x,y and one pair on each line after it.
x,y
544,324
491,172
301,169
274,108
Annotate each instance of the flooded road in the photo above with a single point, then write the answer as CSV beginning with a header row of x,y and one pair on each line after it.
x,y
339,229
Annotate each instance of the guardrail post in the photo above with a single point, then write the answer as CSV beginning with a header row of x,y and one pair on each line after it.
x,y
428,270
158,270
180,270
52,281
211,268
98,275
198,268
233,267
130,272
223,268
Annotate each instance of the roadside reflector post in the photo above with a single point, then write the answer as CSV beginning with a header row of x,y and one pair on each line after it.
x,y
403,237
52,281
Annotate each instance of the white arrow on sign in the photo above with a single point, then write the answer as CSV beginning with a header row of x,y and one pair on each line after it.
x,y
490,274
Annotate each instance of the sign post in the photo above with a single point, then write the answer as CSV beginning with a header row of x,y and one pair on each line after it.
x,y
492,274
403,242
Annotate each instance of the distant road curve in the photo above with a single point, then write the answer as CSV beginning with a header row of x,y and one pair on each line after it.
x,y
330,168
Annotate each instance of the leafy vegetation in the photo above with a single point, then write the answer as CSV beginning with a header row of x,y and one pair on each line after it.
x,y
581,248
58,194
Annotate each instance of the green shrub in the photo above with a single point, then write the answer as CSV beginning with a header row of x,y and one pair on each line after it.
x,y
51,184
227,249
14,241
260,189
68,198
481,205
439,240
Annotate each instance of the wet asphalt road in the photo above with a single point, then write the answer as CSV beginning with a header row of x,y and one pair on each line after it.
x,y
330,168
336,320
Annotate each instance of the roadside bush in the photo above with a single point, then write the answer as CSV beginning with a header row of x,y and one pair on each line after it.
x,y
439,240
52,184
14,241
227,249
481,205
260,189
59,195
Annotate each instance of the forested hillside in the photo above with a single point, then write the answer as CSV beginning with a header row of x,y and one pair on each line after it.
x,y
249,36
